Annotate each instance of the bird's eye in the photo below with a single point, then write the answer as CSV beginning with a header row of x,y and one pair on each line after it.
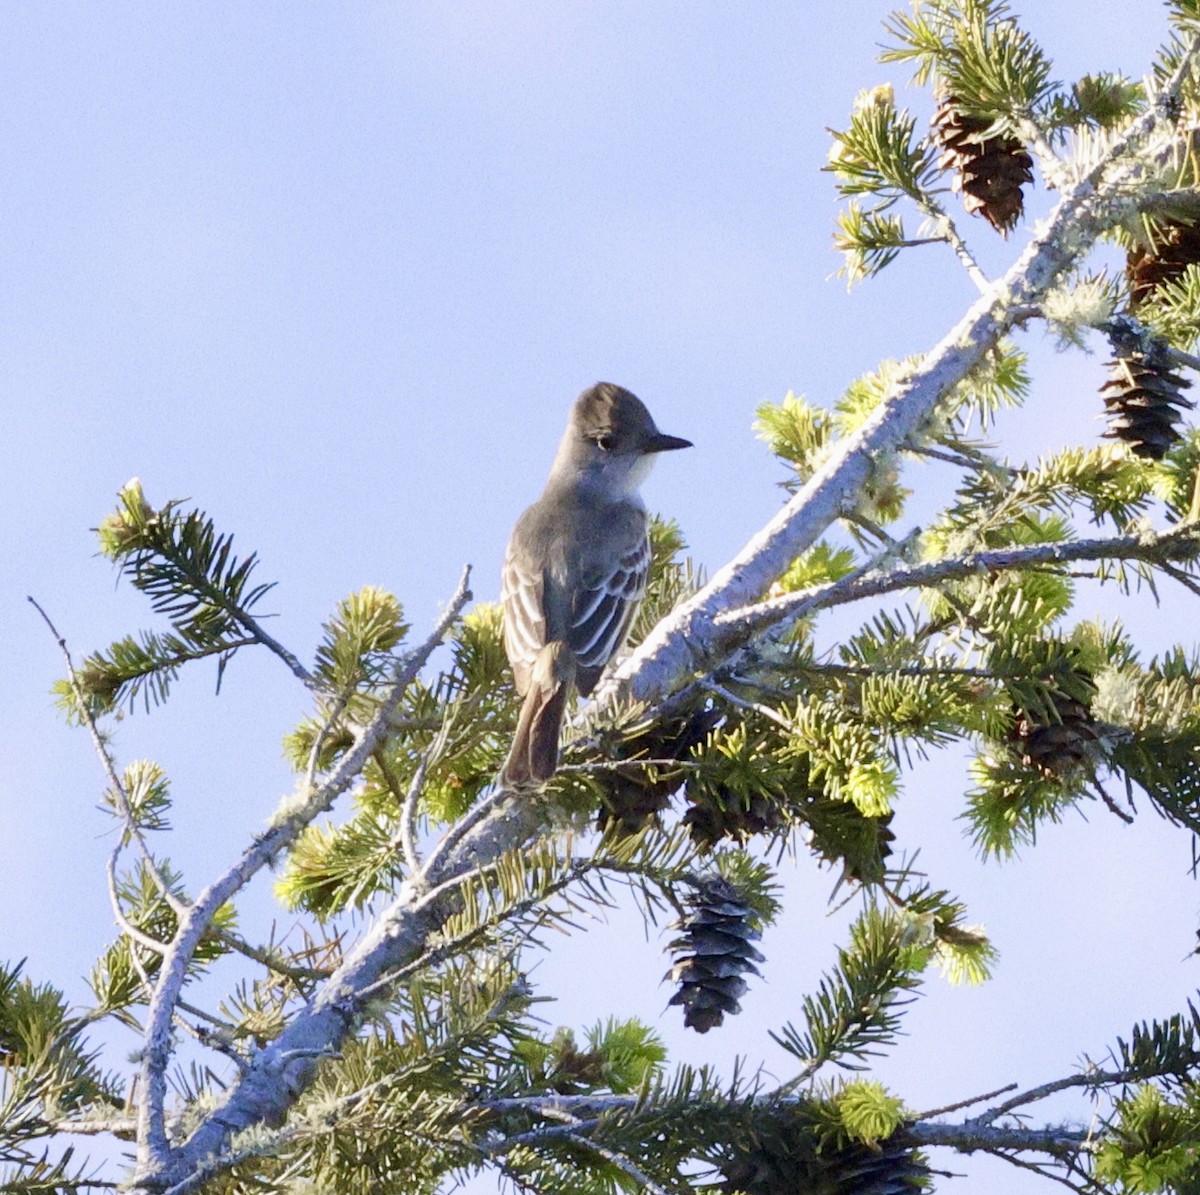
x,y
605,443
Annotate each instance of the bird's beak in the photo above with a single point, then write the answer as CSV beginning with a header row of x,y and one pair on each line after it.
x,y
660,442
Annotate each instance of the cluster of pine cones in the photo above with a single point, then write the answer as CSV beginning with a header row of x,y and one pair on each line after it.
x,y
781,1160
1143,397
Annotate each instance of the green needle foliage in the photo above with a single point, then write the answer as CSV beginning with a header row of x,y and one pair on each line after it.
x,y
189,572
418,897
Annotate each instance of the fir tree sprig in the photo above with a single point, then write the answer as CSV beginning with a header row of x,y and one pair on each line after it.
x,y
855,1013
191,575
978,51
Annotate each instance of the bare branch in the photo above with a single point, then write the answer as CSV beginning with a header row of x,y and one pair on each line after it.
x,y
960,1104
969,1136
406,836
122,1127
947,231
255,632
1088,1078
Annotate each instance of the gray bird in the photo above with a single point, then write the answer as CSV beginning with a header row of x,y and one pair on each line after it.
x,y
575,570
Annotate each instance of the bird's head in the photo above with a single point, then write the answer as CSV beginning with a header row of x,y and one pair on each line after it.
x,y
611,440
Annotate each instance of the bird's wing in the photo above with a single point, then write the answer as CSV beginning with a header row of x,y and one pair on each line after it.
x,y
604,607
522,590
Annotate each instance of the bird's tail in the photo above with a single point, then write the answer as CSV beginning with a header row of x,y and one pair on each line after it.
x,y
533,756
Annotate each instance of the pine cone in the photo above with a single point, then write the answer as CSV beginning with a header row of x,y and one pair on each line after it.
x,y
716,811
869,865
784,1161
633,795
1055,748
1143,399
712,953
989,171
1147,267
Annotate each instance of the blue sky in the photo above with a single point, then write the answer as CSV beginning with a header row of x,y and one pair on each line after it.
x,y
336,272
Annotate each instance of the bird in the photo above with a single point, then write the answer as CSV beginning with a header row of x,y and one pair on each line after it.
x,y
575,570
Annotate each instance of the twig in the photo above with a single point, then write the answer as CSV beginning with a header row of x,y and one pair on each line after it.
x,y
1113,807
408,812
123,1128
959,1104
254,629
1092,1078
542,1133
624,765
1041,1171
126,926
1177,574
471,820
948,231
319,741
269,960
219,1038
132,829
408,808
755,707
963,460
621,1162
543,1104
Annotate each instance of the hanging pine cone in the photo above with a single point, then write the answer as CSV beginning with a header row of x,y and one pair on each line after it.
x,y
1176,246
988,171
712,954
1142,398
1055,747
783,1160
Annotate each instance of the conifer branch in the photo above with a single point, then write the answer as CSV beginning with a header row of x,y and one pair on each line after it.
x,y
154,1151
693,639
688,641
965,1136
738,625
685,641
